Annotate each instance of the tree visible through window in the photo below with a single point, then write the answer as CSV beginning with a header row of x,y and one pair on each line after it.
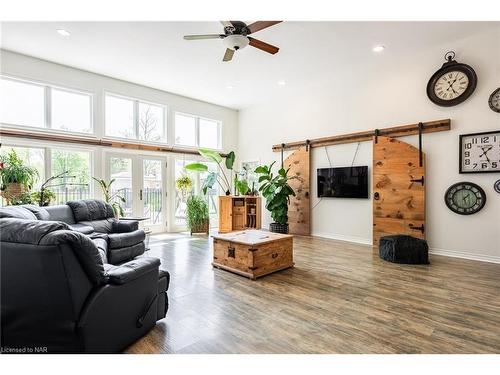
x,y
76,185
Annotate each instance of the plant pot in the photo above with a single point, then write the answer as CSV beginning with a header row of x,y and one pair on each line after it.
x,y
13,190
278,228
201,227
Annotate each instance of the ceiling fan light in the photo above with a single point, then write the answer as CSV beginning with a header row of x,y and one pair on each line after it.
x,y
236,42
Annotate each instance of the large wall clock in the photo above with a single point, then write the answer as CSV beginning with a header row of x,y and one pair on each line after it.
x,y
480,152
465,198
452,84
494,100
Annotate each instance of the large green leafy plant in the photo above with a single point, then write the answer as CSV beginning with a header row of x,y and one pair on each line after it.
x,y
276,190
114,199
197,213
220,176
13,170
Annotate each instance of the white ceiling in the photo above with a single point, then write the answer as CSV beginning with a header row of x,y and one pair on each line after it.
x,y
154,53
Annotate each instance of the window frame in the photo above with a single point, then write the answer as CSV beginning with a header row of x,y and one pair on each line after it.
x,y
47,107
136,102
197,131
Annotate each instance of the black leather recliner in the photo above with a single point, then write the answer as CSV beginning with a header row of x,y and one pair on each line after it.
x,y
59,292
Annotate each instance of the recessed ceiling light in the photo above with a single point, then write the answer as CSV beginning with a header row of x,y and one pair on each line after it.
x,y
378,48
63,32
282,83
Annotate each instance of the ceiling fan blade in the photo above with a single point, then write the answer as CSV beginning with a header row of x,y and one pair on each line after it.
x,y
263,45
259,25
206,36
228,56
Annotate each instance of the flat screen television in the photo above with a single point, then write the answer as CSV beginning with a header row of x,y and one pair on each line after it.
x,y
345,182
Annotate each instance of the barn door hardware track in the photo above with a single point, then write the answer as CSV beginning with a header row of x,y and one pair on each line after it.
x,y
394,132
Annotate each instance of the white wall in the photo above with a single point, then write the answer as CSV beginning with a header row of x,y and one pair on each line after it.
x,y
386,92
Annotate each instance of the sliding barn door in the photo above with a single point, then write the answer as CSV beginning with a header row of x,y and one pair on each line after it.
x,y
299,210
398,189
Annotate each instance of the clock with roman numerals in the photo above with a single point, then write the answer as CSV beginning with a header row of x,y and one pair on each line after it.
x,y
452,84
480,152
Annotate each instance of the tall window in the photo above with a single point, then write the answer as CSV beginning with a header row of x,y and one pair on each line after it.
x,y
197,132
43,106
134,119
76,184
32,156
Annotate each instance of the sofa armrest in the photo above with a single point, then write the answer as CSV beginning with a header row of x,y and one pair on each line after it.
x,y
119,240
122,226
132,270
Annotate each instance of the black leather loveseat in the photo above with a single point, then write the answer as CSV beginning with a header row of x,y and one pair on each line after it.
x,y
59,292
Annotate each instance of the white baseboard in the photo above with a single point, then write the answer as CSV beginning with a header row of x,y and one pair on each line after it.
x,y
465,255
432,251
340,237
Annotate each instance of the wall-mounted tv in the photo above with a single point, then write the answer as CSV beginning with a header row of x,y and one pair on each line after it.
x,y
346,182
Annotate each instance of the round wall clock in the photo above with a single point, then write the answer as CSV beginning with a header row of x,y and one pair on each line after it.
x,y
452,84
494,100
496,186
465,198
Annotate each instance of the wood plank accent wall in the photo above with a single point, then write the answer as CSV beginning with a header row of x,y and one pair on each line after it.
x,y
92,141
299,210
394,132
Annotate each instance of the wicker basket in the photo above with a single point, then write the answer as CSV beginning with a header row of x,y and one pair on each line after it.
x,y
13,190
201,227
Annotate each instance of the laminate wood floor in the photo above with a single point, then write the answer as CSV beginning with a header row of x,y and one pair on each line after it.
x,y
339,298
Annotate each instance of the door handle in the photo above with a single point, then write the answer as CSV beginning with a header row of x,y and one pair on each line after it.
x,y
140,194
421,180
420,228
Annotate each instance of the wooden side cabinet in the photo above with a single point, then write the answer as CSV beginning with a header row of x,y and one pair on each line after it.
x,y
239,213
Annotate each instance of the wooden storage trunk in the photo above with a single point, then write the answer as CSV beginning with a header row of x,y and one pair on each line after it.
x,y
253,253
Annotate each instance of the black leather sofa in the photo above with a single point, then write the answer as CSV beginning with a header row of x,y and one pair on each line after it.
x,y
60,293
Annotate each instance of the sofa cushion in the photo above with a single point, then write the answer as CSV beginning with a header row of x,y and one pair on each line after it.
x,y
61,212
17,212
82,228
40,212
101,226
91,209
102,247
28,231
123,254
117,240
123,226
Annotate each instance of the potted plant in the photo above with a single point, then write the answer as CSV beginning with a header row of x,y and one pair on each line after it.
x,y
214,177
43,197
277,192
197,214
16,178
184,184
241,186
114,199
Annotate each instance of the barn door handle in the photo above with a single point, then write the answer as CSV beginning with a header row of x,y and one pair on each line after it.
x,y
420,228
421,180
274,256
376,196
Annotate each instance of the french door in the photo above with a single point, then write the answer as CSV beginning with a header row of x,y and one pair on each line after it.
x,y
142,181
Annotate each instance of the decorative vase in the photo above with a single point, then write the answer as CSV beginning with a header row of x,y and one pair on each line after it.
x,y
278,228
228,192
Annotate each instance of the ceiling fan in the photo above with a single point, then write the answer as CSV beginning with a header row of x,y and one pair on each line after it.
x,y
236,37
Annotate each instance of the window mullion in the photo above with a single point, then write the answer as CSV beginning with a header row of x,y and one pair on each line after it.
x,y
48,107
197,131
136,118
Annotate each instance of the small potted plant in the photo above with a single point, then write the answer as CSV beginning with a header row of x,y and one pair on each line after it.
x,y
114,199
197,214
43,197
16,178
277,192
184,184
